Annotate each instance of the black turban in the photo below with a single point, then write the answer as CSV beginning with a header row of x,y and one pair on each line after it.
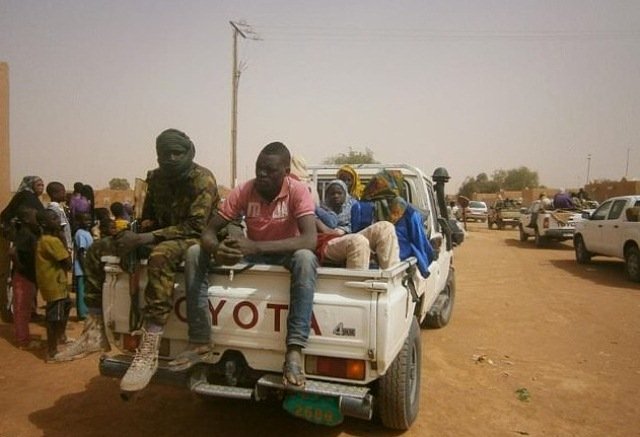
x,y
165,144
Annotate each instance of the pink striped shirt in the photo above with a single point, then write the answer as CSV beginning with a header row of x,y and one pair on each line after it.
x,y
269,221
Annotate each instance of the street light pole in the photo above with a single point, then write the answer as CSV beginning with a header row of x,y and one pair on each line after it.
x,y
244,30
626,171
235,80
588,167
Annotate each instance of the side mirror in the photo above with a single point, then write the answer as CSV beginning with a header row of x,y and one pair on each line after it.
x,y
586,215
523,210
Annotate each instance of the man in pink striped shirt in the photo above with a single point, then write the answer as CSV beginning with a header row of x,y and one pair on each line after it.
x,y
280,224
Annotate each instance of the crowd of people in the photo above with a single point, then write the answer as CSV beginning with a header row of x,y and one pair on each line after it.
x,y
565,200
275,218
48,246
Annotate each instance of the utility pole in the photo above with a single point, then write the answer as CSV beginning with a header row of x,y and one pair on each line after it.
x,y
588,167
244,30
626,171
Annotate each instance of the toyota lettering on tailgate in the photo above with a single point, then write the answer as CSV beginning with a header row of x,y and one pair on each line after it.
x,y
245,314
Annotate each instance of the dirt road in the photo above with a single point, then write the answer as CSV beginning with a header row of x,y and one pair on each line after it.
x,y
538,346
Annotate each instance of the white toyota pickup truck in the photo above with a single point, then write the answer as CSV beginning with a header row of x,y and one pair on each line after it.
x,y
611,230
544,225
364,352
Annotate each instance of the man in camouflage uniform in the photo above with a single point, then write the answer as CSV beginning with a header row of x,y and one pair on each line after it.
x,y
181,197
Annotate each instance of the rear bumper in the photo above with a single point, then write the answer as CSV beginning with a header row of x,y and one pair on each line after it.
x,y
476,216
354,401
560,234
509,219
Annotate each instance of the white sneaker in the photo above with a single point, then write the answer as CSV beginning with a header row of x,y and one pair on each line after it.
x,y
144,364
92,339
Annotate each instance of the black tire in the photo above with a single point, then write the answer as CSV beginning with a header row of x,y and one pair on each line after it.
x,y
632,263
439,315
523,234
539,240
500,225
582,254
398,400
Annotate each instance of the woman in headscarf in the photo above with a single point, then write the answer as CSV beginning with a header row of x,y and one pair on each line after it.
x,y
28,195
350,177
26,198
336,243
335,211
385,190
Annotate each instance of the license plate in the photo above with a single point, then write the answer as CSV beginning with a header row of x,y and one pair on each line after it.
x,y
323,410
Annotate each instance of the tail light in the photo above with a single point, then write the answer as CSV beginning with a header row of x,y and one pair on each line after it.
x,y
545,222
130,342
344,368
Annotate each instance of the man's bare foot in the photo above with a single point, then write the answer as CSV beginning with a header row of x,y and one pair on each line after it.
x,y
292,373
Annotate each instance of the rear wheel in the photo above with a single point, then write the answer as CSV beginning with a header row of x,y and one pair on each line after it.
x,y
582,254
399,389
523,234
632,263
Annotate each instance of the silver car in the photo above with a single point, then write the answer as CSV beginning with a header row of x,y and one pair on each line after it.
x,y
476,210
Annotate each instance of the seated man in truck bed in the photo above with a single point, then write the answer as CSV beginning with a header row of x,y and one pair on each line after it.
x,y
280,223
181,197
382,200
336,243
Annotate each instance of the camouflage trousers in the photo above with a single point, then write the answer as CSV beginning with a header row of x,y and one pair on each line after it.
x,y
164,260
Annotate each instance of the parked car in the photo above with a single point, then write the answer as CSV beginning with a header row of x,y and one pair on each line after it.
x,y
613,229
476,211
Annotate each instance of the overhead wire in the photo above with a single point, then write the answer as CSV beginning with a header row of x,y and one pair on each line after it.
x,y
357,34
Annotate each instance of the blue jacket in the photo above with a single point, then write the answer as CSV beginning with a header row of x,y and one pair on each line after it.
x,y
409,229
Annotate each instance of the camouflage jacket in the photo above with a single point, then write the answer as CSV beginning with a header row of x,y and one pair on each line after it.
x,y
181,209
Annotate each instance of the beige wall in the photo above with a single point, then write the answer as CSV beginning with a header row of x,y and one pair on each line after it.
x,y
601,191
5,156
5,170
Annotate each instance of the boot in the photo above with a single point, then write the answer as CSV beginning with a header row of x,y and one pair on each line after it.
x,y
93,339
144,364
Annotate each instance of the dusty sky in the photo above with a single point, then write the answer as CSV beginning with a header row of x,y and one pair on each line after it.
x,y
473,86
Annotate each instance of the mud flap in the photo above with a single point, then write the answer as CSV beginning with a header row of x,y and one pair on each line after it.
x,y
409,284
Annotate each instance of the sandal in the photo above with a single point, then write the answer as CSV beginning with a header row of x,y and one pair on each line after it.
x,y
292,374
188,358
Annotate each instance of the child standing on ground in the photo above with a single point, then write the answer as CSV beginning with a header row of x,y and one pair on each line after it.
x,y
52,264
82,241
117,209
58,195
23,255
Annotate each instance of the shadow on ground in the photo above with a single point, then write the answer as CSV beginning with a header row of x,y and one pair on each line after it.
x,y
171,411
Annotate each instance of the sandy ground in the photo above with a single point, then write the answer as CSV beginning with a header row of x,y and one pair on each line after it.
x,y
526,320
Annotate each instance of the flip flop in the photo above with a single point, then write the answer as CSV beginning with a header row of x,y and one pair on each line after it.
x,y
292,374
188,358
